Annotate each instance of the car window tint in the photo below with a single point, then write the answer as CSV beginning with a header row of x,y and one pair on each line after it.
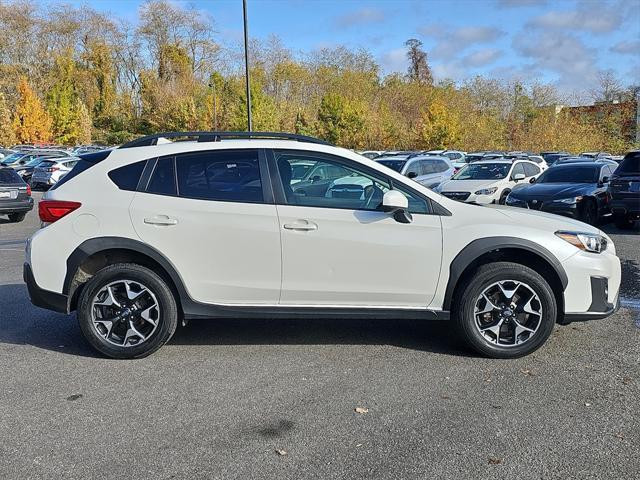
x,y
630,164
531,170
518,168
226,175
9,176
127,177
163,178
351,189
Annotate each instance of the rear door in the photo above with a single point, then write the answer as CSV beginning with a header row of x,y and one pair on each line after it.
x,y
212,216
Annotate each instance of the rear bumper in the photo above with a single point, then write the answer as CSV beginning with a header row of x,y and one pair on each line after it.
x,y
44,298
16,206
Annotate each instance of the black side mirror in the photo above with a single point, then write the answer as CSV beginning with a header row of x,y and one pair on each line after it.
x,y
605,179
412,175
532,180
316,178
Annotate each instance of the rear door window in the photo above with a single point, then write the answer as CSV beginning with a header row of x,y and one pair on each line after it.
x,y
518,168
225,175
163,179
531,170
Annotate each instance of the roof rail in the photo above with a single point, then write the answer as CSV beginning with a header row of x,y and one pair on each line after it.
x,y
218,136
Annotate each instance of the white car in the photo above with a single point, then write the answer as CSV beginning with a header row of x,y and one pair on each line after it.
x,y
488,181
156,232
50,171
427,170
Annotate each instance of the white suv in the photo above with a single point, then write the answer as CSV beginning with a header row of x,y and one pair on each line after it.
x,y
156,232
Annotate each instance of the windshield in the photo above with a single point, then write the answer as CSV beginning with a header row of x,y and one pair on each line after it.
x,y
14,157
571,174
35,162
393,164
483,171
630,164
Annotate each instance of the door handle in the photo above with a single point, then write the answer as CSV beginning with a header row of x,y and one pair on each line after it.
x,y
301,225
163,220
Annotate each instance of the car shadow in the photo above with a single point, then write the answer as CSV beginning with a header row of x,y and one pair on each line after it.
x,y
23,324
611,229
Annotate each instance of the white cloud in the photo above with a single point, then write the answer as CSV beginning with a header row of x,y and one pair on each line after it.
x,y
361,16
451,42
628,47
481,57
592,17
395,60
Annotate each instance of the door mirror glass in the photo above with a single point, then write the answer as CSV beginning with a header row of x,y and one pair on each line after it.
x,y
412,175
519,176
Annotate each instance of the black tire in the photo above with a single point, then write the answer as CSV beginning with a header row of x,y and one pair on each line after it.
x,y
503,197
467,296
166,323
590,212
16,217
624,222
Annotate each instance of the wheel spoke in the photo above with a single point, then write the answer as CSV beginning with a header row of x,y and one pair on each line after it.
x,y
489,306
107,324
527,308
131,295
146,315
109,300
508,294
495,329
131,333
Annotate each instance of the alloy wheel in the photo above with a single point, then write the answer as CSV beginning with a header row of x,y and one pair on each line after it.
x,y
125,313
508,313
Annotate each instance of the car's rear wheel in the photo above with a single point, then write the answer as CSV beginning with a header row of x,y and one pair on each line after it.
x,y
16,217
503,197
505,310
590,213
127,311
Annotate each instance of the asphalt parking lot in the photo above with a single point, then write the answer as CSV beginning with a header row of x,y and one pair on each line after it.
x,y
223,397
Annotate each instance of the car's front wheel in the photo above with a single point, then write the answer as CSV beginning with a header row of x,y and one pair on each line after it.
x,y
505,310
127,311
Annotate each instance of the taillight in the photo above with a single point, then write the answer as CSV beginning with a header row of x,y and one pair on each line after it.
x,y
28,190
53,169
52,210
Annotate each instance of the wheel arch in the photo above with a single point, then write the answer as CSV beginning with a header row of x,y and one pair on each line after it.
x,y
518,250
94,254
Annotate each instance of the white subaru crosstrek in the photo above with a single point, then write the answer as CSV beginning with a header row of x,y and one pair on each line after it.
x,y
488,181
156,232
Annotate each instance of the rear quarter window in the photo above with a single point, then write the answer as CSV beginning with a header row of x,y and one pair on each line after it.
x,y
127,177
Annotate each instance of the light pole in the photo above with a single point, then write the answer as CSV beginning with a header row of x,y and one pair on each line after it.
x,y
246,64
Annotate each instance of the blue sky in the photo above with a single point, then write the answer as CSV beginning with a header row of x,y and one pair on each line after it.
x,y
565,42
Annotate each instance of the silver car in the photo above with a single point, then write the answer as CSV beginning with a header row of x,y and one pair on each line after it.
x,y
427,170
50,171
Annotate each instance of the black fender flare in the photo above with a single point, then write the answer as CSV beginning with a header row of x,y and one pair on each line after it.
x,y
479,247
96,245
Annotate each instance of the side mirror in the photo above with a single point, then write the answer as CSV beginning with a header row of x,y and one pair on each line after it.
x,y
397,204
605,180
316,178
519,176
412,175
532,180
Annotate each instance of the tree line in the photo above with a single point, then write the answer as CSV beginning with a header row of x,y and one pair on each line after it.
x,y
74,75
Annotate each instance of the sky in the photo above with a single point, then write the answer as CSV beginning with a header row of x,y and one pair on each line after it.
x,y
563,42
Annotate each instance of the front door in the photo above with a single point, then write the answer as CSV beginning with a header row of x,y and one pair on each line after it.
x,y
339,249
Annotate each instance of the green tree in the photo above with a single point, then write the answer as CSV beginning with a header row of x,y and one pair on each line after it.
x,y
439,128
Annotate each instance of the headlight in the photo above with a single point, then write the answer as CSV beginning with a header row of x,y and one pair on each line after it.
x,y
487,191
511,200
571,200
589,242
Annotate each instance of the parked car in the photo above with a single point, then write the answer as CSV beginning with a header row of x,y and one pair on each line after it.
x,y
565,160
595,154
371,154
488,181
5,152
576,190
51,170
23,157
552,157
26,170
15,195
625,190
427,170
82,149
213,228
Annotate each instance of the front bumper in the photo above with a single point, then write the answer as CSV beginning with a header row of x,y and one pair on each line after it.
x,y
626,206
600,307
57,302
16,206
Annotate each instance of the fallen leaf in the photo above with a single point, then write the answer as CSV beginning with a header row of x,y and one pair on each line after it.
x,y
495,461
74,397
626,380
587,404
359,445
526,371
361,410
282,453
619,435
445,397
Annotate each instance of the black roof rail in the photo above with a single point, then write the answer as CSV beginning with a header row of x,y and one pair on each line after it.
x,y
218,136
